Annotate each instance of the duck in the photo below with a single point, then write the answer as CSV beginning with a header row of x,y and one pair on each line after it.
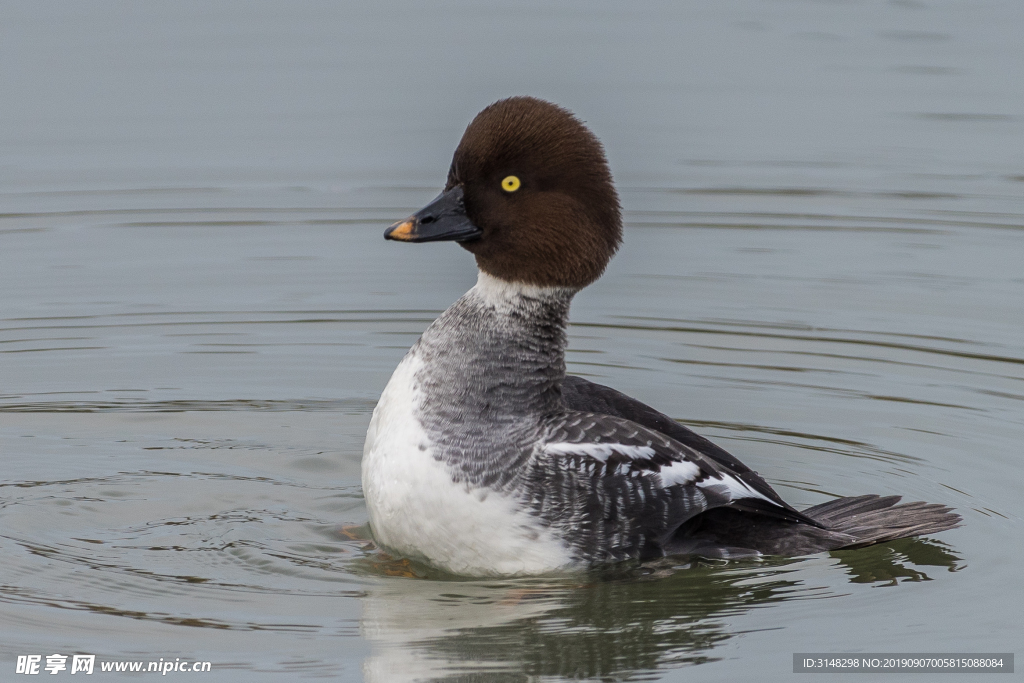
x,y
483,458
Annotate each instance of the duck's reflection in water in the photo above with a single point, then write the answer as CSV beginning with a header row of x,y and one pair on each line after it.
x,y
607,625
903,560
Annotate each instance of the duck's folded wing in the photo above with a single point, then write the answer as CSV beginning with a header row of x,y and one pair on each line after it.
x,y
583,395
627,489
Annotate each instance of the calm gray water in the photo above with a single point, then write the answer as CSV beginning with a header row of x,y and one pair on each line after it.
x,y
823,271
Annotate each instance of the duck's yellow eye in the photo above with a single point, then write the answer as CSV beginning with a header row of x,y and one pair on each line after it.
x,y
510,183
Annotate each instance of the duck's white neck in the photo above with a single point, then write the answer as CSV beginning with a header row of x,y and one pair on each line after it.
x,y
502,293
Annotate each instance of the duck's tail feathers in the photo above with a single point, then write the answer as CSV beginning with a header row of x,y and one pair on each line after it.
x,y
877,519
842,523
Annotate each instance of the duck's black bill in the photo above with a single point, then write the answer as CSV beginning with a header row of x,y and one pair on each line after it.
x,y
442,219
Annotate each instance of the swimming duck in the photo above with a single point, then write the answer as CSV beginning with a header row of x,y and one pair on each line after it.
x,y
484,458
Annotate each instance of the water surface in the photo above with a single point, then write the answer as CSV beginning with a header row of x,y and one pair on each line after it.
x,y
821,272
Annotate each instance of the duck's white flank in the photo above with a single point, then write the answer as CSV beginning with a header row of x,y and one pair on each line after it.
x,y
417,510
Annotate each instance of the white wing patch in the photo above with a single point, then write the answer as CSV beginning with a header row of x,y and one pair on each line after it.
x,y
599,451
681,472
734,488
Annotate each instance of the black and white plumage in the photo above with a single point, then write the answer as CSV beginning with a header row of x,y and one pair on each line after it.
x,y
634,486
484,458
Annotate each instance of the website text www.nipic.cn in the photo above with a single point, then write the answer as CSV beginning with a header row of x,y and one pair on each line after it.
x,y
86,664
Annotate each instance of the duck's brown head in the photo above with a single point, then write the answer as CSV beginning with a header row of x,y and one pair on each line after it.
x,y
529,193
